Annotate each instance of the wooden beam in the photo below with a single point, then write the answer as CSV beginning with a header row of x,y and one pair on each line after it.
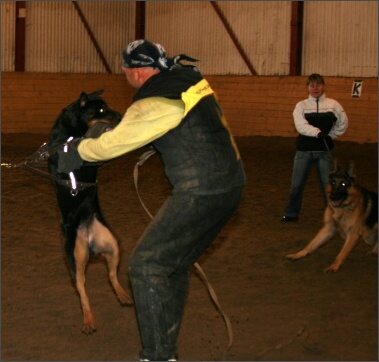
x,y
296,45
140,20
20,36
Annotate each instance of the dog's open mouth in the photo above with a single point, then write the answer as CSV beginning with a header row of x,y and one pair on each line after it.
x,y
337,203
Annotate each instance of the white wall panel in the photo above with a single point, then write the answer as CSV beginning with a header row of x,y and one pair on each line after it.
x,y
341,38
193,27
8,19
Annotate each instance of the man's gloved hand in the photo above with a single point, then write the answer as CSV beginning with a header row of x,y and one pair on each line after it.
x,y
68,157
323,135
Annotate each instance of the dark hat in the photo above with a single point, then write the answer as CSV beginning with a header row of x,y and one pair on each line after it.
x,y
143,53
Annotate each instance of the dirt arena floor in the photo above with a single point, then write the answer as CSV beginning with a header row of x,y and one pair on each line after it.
x,y
280,310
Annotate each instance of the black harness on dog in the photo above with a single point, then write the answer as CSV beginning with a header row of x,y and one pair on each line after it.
x,y
38,159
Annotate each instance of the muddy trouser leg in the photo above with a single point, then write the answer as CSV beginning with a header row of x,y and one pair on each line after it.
x,y
159,265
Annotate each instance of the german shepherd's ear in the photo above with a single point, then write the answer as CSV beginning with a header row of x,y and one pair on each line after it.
x,y
83,99
350,169
96,93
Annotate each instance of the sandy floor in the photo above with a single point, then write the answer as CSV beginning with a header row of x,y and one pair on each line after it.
x,y
279,310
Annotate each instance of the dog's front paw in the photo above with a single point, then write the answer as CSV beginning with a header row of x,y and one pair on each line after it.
x,y
295,256
125,299
88,328
122,296
332,268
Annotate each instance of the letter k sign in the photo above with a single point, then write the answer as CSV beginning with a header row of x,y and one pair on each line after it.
x,y
357,89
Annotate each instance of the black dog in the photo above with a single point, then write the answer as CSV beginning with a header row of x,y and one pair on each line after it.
x,y
84,227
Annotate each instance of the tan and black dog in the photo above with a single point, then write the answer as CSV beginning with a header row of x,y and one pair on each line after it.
x,y
84,227
352,211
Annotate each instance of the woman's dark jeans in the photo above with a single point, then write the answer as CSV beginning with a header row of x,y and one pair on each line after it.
x,y
302,165
159,265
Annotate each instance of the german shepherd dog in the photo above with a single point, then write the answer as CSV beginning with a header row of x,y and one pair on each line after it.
x,y
352,211
84,227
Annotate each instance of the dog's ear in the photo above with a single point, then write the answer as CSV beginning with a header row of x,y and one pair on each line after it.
x,y
83,99
97,93
350,169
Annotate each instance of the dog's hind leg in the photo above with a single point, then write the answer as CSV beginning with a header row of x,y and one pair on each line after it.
x,y
81,254
105,243
370,236
375,249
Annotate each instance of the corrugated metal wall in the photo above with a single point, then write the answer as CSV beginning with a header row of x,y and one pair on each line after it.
x,y
340,37
194,28
8,10
57,41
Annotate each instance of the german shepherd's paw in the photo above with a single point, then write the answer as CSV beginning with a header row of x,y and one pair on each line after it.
x,y
296,256
88,326
332,268
88,329
124,298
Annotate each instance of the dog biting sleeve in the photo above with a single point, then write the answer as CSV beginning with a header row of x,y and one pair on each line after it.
x,y
143,122
97,130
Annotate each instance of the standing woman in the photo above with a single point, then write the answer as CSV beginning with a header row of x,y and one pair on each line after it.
x,y
318,120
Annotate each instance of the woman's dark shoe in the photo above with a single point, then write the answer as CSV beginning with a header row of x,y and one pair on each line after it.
x,y
289,219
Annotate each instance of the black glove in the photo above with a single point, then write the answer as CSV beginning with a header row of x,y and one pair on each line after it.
x,y
323,135
68,157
